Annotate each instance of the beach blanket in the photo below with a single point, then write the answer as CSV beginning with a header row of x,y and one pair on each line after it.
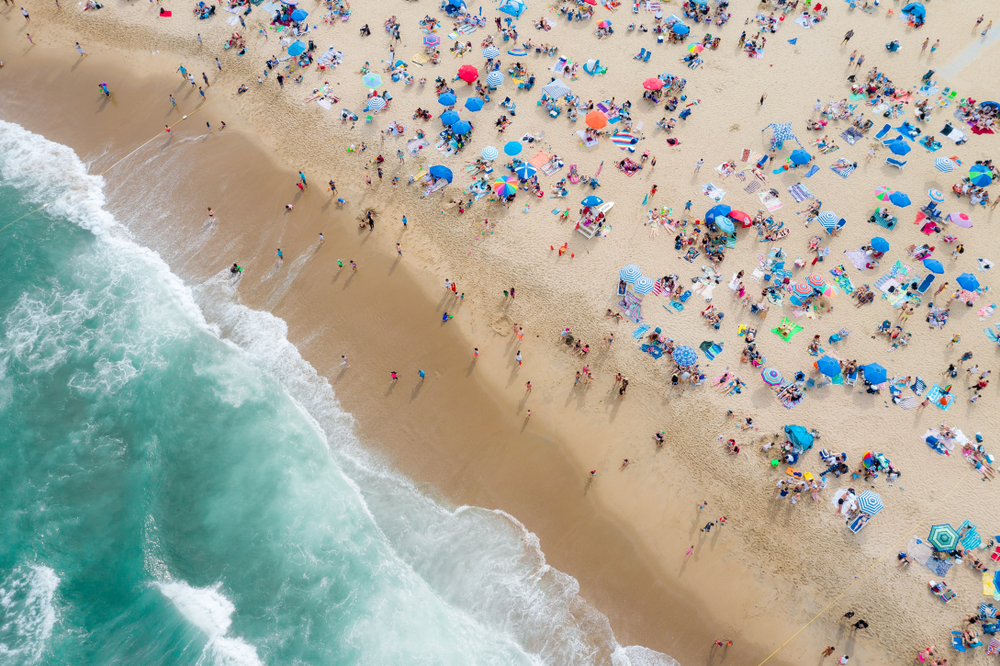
x,y
714,350
712,192
631,307
560,64
939,398
752,187
769,201
805,20
589,143
799,192
843,172
639,332
840,278
652,350
785,400
908,402
919,386
787,329
922,552
628,167
812,171
623,140
851,135
745,157
859,259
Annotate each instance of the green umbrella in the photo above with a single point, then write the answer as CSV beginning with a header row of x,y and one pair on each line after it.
x,y
943,537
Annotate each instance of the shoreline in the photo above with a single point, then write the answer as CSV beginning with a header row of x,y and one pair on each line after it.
x,y
522,458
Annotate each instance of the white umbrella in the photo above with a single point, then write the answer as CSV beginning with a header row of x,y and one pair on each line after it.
x,y
491,52
490,153
494,78
630,273
643,285
944,165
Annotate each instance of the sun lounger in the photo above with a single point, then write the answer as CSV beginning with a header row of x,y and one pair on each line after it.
x,y
956,641
896,163
882,132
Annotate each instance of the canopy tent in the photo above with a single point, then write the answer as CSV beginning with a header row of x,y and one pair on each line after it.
x,y
800,438
556,88
782,132
513,7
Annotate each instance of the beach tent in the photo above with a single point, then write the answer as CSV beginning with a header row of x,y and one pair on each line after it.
x,y
556,88
452,7
513,7
916,10
800,438
592,67
782,132
441,171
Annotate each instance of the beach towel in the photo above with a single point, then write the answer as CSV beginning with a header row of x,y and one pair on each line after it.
x,y
589,143
786,401
842,281
859,259
714,350
908,402
805,21
713,192
939,398
769,201
752,187
851,135
799,192
639,332
745,157
631,307
918,387
843,172
652,350
987,311
787,329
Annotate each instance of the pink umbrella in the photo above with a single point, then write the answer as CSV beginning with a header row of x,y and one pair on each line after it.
x,y
468,73
652,84
960,219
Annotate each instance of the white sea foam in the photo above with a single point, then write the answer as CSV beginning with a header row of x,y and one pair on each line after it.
x,y
485,565
27,613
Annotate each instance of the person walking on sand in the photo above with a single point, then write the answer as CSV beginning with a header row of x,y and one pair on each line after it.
x,y
698,164
854,55
828,651
475,353
987,28
204,77
847,37
302,177
173,102
321,239
923,47
394,376
527,387
935,45
281,258
211,213
861,61
689,551
343,362
518,359
80,50
652,191
399,250
762,98
25,12
354,266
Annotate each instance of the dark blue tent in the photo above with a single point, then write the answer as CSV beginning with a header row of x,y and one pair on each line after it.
x,y
799,437
452,7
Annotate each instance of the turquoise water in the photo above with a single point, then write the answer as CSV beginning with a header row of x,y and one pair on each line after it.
x,y
179,487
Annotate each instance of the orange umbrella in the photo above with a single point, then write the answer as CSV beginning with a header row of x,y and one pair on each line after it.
x,y
468,73
652,84
596,120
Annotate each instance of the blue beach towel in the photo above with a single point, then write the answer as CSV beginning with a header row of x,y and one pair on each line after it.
x,y
638,333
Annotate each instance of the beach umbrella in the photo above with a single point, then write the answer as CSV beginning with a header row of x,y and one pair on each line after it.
x,y
944,165
643,285
491,52
882,193
827,219
961,219
604,24
375,104
525,170
880,244
290,3
899,146
936,195
741,217
870,503
298,48
828,366
473,104
596,120
679,29
652,84
724,224
556,88
462,127
900,199
802,289
980,175
490,153
299,15
933,265
512,148
441,171
431,41
968,282
685,356
816,281
494,78
447,99
592,201
371,80
505,186
696,48
943,537
771,376
591,2
630,273
717,211
875,373
449,118
468,73
800,156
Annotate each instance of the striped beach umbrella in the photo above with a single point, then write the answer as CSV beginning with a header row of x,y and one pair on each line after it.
x,y
505,186
525,170
980,176
375,104
643,285
372,80
827,219
630,273
870,503
936,195
684,356
431,41
490,153
494,78
816,280
944,165
491,52
771,376
802,289
943,537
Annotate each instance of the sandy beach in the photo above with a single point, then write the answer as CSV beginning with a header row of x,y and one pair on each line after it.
x,y
773,568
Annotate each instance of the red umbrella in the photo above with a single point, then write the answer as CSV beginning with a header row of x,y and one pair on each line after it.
x,y
468,73
741,217
652,84
604,24
596,120
591,2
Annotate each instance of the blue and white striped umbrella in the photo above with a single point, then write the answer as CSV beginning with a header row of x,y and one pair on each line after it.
x,y
491,52
375,104
827,219
944,165
494,78
643,285
685,356
525,170
870,503
630,273
490,153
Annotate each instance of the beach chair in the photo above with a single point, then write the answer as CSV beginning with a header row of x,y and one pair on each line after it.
x,y
642,54
956,641
896,163
851,379
882,132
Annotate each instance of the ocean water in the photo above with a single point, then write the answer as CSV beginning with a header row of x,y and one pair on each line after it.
x,y
177,486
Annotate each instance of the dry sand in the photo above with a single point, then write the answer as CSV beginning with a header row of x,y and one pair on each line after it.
x,y
622,534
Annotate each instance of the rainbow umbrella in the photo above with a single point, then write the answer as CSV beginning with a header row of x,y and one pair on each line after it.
x,y
816,280
505,186
771,376
696,48
604,24
882,193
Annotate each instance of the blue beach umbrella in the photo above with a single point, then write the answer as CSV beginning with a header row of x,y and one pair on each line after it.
x,y
828,366
679,29
933,265
370,80
441,171
461,127
968,282
630,273
592,201
874,373
298,48
899,146
717,211
684,356
725,224
376,104
494,78
473,104
449,117
900,199
980,175
880,244
490,153
447,99
800,156
643,285
299,15
512,148
525,170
